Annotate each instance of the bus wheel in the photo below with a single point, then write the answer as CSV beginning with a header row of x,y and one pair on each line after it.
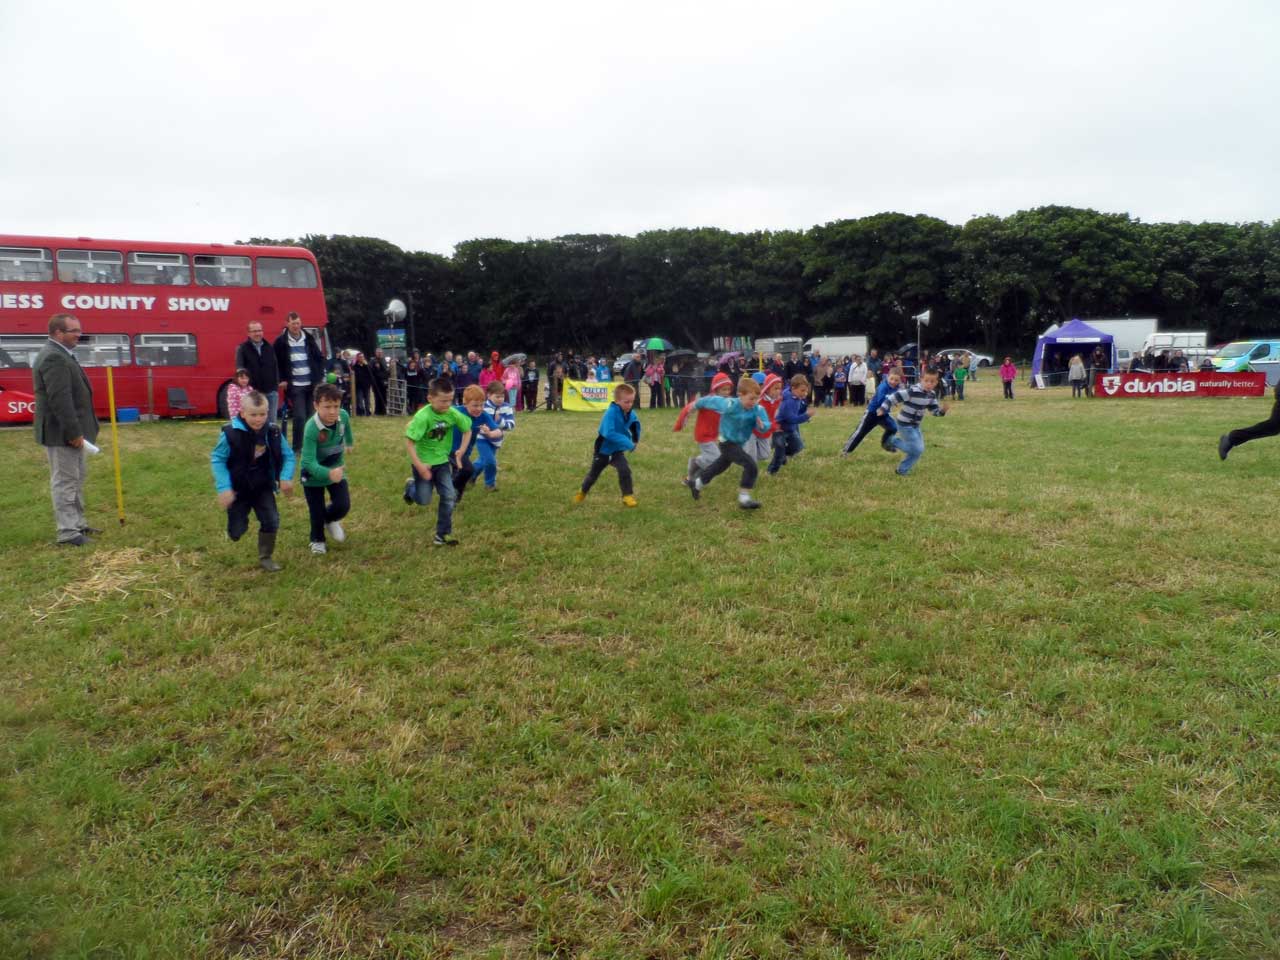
x,y
224,412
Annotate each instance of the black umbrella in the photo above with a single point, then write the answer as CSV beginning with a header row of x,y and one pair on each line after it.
x,y
681,354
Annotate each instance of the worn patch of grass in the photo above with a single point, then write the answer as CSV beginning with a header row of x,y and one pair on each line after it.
x,y
1022,703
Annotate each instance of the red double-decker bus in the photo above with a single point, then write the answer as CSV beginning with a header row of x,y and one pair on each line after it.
x,y
166,316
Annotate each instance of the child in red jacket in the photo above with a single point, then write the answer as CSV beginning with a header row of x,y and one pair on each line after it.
x,y
770,399
706,429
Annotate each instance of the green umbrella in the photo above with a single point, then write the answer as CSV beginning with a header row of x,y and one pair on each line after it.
x,y
657,343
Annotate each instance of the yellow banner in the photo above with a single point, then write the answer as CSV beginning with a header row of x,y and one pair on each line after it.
x,y
588,396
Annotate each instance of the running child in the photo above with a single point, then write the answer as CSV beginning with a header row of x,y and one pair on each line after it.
x,y
325,440
792,411
248,462
706,428
762,441
498,408
872,418
916,400
464,441
619,432
739,416
428,440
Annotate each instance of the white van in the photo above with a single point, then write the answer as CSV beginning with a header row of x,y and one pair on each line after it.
x,y
837,347
1184,341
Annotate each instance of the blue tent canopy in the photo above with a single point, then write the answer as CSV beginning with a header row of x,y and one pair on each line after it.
x,y
1070,338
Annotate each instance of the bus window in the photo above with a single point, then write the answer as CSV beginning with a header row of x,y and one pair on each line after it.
x,y
90,266
18,350
103,350
25,264
164,350
223,271
286,272
168,269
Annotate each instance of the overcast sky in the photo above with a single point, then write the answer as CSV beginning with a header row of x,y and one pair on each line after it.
x,y
429,124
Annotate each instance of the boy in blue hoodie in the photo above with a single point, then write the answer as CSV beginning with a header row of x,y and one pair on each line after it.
x,y
739,416
248,461
873,418
483,427
619,432
500,412
793,411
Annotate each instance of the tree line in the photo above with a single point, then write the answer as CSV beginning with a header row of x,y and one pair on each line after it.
x,y
994,282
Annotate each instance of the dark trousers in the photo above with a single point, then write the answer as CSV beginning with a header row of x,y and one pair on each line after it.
x,y
1008,389
420,491
731,453
858,394
868,423
339,506
263,505
657,396
531,395
301,409
618,461
959,391
462,476
1264,428
786,444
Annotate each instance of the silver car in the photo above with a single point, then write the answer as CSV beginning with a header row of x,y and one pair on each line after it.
x,y
984,360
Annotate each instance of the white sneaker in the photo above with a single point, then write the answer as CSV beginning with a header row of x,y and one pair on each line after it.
x,y
318,547
335,532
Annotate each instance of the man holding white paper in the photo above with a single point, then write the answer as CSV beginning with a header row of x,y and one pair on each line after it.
x,y
65,426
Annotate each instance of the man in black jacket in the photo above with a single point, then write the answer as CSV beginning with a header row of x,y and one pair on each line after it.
x,y
381,374
259,358
633,373
301,367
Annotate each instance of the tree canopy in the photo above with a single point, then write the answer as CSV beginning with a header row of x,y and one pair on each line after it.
x,y
994,282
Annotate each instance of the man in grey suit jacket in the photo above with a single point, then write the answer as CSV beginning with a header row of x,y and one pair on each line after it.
x,y
64,420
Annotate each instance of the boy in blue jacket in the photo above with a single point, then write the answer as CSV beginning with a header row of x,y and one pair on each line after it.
x,y
483,427
619,432
738,418
500,412
248,462
793,411
873,418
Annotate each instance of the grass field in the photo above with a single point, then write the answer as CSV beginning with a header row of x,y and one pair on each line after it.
x,y
1022,703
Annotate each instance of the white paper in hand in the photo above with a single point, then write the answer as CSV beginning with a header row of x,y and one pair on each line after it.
x,y
92,450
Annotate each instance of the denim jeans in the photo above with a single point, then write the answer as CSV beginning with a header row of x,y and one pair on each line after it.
x,y
487,461
339,507
262,503
910,441
441,482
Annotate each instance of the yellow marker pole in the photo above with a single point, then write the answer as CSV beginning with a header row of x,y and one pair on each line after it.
x,y
115,445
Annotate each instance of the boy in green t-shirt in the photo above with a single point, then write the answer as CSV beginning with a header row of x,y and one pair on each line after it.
x,y
428,439
960,367
326,437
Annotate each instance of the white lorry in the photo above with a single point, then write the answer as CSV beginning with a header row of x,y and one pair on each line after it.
x,y
768,346
837,347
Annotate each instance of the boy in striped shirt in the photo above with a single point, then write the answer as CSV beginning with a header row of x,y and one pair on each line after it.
x,y
915,401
